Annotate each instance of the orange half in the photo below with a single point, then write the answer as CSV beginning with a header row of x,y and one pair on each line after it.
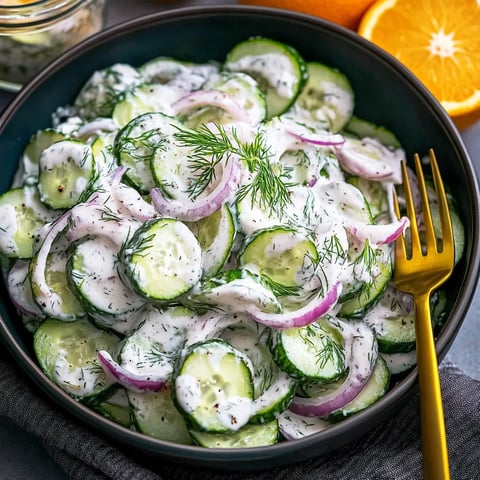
x,y
439,41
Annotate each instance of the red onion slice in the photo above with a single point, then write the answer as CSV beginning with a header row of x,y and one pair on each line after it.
x,y
202,207
321,139
309,313
129,380
202,98
384,168
38,271
361,344
378,234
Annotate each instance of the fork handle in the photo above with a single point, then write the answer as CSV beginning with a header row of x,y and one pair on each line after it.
x,y
434,443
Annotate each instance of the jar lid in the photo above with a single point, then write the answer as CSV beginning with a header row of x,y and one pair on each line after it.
x,y
17,16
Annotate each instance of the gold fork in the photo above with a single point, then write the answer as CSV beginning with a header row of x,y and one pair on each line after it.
x,y
419,271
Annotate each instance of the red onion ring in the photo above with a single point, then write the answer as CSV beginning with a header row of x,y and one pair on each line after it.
x,y
378,234
203,206
326,139
38,271
309,313
129,380
215,98
360,344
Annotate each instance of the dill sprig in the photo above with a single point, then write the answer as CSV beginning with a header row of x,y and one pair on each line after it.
x,y
330,350
268,188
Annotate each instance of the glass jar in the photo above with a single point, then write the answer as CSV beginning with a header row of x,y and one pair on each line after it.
x,y
34,32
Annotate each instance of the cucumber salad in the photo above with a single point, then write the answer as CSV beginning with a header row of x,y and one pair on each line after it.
x,y
203,252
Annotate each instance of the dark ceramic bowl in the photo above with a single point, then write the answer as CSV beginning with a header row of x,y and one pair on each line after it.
x,y
386,93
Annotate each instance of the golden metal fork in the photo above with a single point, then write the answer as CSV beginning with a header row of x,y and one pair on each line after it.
x,y
419,271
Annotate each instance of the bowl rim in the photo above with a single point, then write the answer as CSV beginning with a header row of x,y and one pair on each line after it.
x,y
220,458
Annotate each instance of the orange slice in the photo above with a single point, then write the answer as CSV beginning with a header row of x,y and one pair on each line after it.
x,y
439,41
344,12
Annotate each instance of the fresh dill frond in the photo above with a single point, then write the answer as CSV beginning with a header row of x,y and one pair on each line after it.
x,y
329,351
268,188
278,289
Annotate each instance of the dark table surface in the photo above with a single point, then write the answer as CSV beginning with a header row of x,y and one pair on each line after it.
x,y
21,455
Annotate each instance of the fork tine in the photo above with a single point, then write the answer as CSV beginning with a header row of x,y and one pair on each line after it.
x,y
444,211
430,238
416,246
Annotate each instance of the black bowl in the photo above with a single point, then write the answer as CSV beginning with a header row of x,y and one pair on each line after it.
x,y
386,94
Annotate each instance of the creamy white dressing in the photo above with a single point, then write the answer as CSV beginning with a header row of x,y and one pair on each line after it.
x,y
275,68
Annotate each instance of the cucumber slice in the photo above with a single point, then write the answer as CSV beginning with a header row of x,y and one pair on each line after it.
x,y
376,196
135,145
283,254
399,363
216,235
155,415
375,388
62,303
104,88
314,352
116,408
67,353
22,215
363,128
294,427
326,100
213,388
278,68
368,293
233,287
31,155
163,259
67,170
145,98
249,436
185,76
93,276
156,342
273,389
242,88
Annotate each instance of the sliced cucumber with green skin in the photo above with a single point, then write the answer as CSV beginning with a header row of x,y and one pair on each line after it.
x,y
393,319
104,88
31,155
116,408
22,215
233,287
283,254
153,346
145,98
186,76
363,128
314,352
399,363
213,387
163,259
370,292
327,99
392,322
66,170
93,276
102,150
155,415
67,353
62,303
216,235
375,194
375,388
278,68
249,436
135,145
242,88
273,389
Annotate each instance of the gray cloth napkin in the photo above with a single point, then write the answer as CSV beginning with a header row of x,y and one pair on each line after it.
x,y
392,451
